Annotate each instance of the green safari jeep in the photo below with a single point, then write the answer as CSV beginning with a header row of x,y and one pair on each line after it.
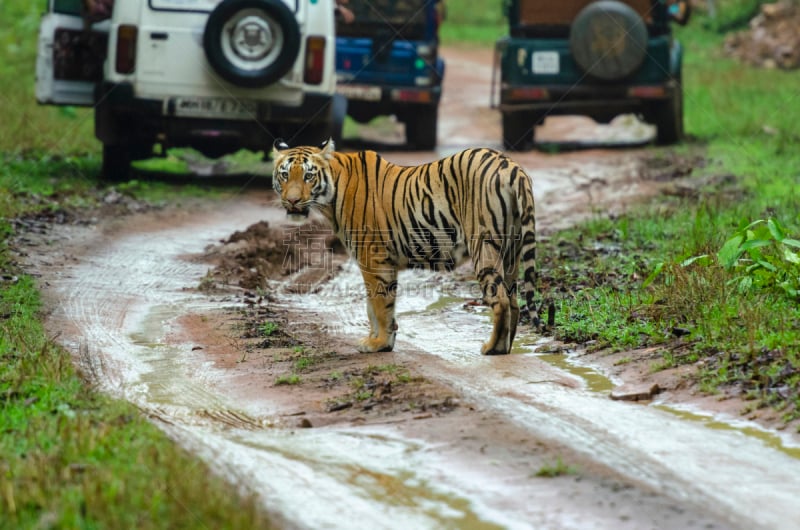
x,y
593,58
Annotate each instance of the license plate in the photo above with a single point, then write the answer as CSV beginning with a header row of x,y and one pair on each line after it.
x,y
215,108
546,63
364,93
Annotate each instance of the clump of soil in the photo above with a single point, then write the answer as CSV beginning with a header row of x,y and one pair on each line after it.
x,y
293,357
250,258
772,41
313,377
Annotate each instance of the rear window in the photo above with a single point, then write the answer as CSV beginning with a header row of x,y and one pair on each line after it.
x,y
407,19
67,7
539,13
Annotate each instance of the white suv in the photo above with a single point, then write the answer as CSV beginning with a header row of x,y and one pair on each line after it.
x,y
216,75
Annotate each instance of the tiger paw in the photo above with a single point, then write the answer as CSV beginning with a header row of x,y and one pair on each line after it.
x,y
493,349
372,345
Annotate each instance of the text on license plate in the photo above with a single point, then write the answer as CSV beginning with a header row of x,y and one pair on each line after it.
x,y
215,107
365,93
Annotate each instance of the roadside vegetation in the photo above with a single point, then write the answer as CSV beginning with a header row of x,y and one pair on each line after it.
x,y
69,456
712,279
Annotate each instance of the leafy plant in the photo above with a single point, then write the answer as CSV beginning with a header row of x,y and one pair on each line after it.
x,y
268,328
761,256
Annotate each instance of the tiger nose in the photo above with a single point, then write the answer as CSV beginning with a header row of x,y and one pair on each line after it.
x,y
293,200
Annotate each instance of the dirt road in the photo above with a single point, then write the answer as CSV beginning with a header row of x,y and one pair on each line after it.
x,y
433,435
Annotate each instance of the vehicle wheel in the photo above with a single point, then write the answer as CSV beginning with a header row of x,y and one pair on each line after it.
x,y
518,131
608,40
116,163
422,127
117,159
338,114
251,43
668,119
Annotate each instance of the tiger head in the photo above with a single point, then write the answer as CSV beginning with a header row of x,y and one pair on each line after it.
x,y
302,176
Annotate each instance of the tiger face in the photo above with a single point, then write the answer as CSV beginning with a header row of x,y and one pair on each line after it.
x,y
301,176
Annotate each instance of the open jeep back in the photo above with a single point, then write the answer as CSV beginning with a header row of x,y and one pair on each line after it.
x,y
387,62
596,58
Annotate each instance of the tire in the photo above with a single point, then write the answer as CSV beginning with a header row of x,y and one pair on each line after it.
x,y
251,43
668,119
518,131
608,40
117,160
116,163
338,114
422,128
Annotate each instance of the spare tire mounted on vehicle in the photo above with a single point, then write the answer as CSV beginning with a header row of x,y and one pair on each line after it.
x,y
251,43
608,40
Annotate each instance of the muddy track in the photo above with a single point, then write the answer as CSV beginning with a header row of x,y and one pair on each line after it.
x,y
445,438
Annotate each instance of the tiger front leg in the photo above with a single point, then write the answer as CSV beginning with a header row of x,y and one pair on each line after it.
x,y
381,294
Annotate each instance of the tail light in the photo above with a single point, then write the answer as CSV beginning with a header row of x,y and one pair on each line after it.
x,y
526,93
315,60
126,49
647,92
412,96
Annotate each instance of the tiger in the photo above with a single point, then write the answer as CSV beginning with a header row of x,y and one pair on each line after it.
x,y
477,203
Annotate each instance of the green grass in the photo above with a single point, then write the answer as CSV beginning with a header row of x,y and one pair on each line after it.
x,y
288,379
72,458
28,128
556,469
738,315
477,23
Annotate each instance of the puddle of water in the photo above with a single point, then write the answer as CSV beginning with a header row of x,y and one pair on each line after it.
x,y
770,439
597,382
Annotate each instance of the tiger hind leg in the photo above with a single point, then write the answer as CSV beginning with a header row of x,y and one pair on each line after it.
x,y
511,266
495,295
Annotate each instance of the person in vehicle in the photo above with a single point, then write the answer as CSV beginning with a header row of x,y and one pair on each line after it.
x,y
97,10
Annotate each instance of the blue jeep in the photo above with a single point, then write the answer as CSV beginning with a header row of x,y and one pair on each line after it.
x,y
594,58
387,62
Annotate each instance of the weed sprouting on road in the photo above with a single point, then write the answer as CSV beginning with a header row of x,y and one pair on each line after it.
x,y
556,469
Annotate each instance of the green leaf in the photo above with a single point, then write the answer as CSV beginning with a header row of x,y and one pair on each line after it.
x,y
729,254
791,257
745,283
754,243
791,242
702,259
767,265
653,275
752,225
776,229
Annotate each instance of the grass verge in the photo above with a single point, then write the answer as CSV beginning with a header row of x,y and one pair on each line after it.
x,y
710,279
72,458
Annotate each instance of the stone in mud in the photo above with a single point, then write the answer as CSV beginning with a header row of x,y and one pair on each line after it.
x,y
635,392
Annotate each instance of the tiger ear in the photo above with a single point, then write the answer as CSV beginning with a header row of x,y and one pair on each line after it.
x,y
327,148
278,146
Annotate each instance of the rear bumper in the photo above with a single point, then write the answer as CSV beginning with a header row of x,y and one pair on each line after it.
x,y
121,116
365,102
583,99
